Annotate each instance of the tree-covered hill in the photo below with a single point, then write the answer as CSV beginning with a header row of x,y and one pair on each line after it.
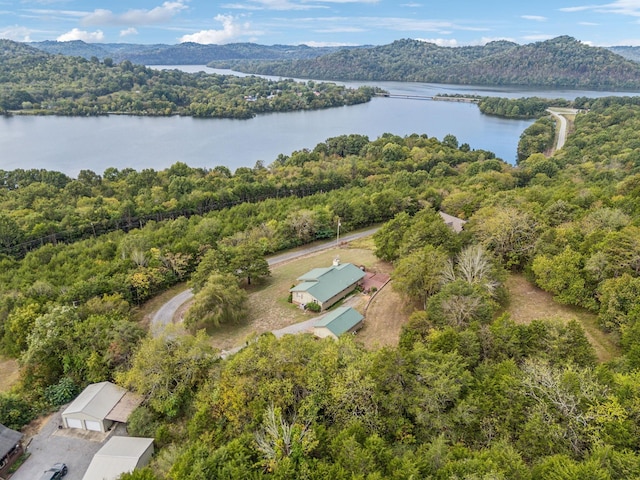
x,y
187,53
35,82
560,62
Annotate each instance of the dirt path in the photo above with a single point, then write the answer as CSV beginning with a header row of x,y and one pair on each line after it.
x,y
529,303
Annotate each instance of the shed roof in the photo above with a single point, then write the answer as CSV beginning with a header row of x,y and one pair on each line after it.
x,y
8,439
455,223
340,320
124,408
97,400
326,283
117,456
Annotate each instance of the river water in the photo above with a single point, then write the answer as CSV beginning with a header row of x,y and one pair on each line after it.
x,y
70,144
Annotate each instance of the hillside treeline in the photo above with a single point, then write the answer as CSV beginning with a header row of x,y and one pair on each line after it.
x,y
35,82
466,393
559,62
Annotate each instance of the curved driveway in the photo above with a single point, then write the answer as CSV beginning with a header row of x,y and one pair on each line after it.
x,y
166,313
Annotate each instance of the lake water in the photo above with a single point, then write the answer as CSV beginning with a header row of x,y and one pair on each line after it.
x,y
70,144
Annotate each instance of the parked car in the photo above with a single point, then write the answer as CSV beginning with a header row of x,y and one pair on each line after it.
x,y
58,470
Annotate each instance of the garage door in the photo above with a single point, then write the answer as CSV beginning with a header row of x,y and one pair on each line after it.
x,y
74,423
91,425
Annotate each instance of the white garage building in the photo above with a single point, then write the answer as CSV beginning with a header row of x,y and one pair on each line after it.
x,y
90,410
119,455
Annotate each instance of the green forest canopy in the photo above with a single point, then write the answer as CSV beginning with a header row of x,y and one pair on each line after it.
x,y
558,62
467,393
35,82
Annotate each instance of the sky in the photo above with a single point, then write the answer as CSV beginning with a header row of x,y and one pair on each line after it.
x,y
321,22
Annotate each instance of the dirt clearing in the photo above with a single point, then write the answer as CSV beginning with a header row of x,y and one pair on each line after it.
x,y
384,320
10,372
528,303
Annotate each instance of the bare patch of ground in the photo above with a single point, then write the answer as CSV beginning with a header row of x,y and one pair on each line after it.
x,y
385,317
528,303
10,373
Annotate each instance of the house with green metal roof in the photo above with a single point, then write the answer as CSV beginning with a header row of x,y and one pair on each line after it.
x,y
326,286
339,321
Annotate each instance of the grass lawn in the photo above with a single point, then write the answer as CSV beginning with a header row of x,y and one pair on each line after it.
x,y
268,306
528,302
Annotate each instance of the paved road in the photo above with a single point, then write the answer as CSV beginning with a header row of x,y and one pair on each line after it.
x,y
164,316
559,114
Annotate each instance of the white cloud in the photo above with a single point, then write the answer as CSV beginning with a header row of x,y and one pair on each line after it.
x,y
16,33
538,37
588,24
535,18
128,31
282,5
441,42
327,44
77,34
161,14
230,31
619,7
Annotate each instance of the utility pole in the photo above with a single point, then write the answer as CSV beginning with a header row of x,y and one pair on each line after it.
x,y
338,236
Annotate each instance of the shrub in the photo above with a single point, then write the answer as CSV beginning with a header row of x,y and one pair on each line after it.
x,y
313,307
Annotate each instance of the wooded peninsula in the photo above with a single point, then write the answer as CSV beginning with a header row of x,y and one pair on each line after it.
x,y
35,82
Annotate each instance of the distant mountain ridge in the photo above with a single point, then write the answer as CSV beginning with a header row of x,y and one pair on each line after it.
x,y
559,62
182,53
630,53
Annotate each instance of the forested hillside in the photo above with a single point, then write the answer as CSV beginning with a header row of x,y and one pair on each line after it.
x,y
466,393
183,53
560,62
34,82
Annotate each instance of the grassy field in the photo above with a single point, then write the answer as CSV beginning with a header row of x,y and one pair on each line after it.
x,y
528,302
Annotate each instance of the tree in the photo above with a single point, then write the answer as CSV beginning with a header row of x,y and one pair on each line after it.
x,y
389,238
459,303
508,232
167,370
419,275
220,301
563,276
279,440
474,266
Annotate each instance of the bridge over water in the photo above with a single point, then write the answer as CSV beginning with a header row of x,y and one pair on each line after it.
x,y
429,97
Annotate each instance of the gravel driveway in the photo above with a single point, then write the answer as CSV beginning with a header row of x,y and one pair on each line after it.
x,y
52,445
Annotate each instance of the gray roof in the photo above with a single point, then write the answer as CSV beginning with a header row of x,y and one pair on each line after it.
x,y
340,320
97,400
8,439
455,223
117,456
326,283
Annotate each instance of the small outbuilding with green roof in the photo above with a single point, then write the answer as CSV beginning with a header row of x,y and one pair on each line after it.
x,y
326,286
339,321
